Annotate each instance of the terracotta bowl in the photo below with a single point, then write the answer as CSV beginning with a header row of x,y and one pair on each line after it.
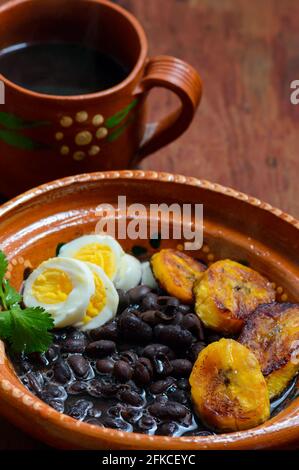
x,y
235,225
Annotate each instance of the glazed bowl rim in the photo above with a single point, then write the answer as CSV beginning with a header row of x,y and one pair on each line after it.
x,y
21,399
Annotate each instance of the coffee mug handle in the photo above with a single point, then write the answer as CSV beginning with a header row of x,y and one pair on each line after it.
x,y
181,78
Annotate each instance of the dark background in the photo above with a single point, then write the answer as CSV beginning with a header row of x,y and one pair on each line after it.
x,y
245,132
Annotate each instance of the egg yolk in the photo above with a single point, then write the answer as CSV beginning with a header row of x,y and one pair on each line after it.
x,y
98,254
97,301
52,286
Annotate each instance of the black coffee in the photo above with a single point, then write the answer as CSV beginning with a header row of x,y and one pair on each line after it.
x,y
61,68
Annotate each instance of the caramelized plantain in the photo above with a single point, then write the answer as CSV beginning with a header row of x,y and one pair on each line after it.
x,y
176,273
272,333
228,293
228,388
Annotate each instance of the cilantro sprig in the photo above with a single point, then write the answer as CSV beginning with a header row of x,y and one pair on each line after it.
x,y
25,329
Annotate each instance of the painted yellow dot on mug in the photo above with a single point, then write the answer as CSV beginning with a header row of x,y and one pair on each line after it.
x,y
65,150
94,150
66,121
78,156
101,133
59,135
83,138
98,119
81,116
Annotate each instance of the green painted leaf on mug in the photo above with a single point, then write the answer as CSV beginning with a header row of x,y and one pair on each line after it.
x,y
18,140
113,121
13,122
117,133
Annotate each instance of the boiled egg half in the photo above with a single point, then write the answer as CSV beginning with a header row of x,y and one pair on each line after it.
x,y
104,302
102,250
63,287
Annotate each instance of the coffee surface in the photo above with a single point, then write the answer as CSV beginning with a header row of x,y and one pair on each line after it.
x,y
60,68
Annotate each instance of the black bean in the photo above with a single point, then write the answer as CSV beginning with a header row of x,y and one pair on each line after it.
x,y
53,353
194,350
138,293
178,396
62,372
129,356
174,336
101,348
212,337
131,415
95,412
109,389
38,359
80,409
165,316
169,410
165,300
131,397
57,405
161,385
167,429
52,391
94,389
181,367
150,301
143,371
124,299
134,329
105,366
115,423
77,387
115,410
146,423
150,316
152,350
184,308
193,323
79,364
183,384
108,331
162,365
73,345
36,381
123,371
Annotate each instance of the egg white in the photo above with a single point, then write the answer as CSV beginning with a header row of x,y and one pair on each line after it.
x,y
72,248
109,310
73,309
129,273
147,277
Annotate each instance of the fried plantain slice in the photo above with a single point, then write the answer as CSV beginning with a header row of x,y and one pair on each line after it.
x,y
272,334
228,293
176,272
228,388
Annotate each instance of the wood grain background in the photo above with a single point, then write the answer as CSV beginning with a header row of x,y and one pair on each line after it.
x,y
245,134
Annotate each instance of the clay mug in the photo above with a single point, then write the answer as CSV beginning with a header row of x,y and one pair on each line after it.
x,y
44,136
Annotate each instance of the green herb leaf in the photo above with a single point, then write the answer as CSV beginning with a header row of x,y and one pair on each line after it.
x,y
11,295
29,332
3,265
25,329
5,325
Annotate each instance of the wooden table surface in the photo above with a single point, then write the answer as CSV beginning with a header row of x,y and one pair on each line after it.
x,y
245,132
